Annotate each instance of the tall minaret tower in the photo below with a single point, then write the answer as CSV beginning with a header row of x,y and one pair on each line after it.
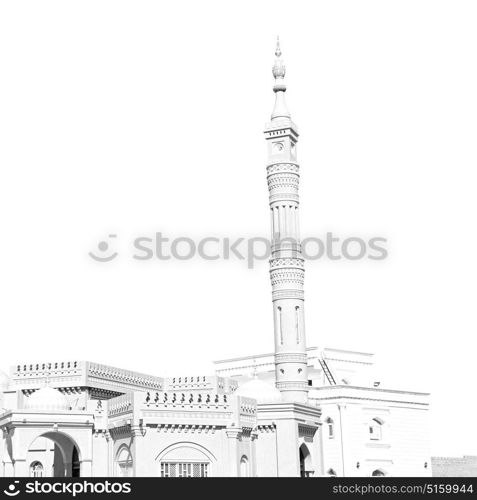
x,y
286,262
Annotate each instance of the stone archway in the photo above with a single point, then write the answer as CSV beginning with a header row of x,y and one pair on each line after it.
x,y
56,454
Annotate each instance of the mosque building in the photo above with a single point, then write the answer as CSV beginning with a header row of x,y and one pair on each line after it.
x,y
298,411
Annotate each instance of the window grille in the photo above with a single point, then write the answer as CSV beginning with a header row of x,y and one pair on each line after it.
x,y
184,469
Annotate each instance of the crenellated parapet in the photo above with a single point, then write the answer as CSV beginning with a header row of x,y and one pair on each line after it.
x,y
183,399
201,384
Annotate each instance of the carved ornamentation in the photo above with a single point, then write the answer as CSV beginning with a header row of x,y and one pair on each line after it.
x,y
287,277
295,263
291,168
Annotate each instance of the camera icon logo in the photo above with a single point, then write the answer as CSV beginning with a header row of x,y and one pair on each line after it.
x,y
12,490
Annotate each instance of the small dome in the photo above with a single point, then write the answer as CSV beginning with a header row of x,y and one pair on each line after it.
x,y
4,381
47,398
259,390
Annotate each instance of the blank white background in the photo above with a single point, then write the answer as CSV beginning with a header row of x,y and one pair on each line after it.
x,y
132,117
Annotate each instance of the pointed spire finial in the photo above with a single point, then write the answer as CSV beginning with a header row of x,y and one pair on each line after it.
x,y
280,110
278,51
278,69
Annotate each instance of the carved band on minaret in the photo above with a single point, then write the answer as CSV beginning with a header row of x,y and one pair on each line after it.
x,y
287,271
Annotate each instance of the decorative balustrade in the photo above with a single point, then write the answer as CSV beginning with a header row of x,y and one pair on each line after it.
x,y
120,405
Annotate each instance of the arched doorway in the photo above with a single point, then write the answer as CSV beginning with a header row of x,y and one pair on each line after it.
x,y
306,469
54,454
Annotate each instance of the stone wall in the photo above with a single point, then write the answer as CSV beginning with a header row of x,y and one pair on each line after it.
x,y
465,466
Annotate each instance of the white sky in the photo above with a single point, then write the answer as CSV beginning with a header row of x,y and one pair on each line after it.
x,y
135,117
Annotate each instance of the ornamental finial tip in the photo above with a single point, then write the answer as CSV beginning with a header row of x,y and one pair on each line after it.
x,y
278,69
278,51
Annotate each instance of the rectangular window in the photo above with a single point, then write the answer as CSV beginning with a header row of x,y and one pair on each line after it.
x,y
375,432
184,469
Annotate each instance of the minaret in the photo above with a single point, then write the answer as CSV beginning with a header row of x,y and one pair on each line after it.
x,y
286,262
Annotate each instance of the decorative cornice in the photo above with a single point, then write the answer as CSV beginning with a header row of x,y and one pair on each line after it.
x,y
233,433
307,430
266,428
374,389
284,197
122,431
172,428
291,385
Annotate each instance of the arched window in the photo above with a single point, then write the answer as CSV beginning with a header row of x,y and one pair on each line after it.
x,y
376,429
36,469
124,462
330,425
306,468
279,321
378,473
244,470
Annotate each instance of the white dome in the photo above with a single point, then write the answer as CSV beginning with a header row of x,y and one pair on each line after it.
x,y
4,381
47,398
259,390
